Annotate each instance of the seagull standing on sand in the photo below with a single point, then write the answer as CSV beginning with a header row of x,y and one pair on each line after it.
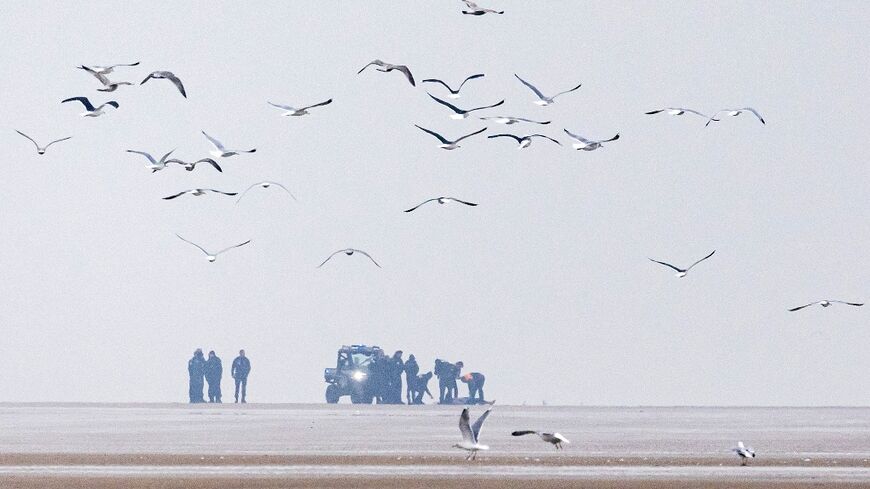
x,y
554,438
196,192
209,256
453,93
153,165
543,100
826,303
441,200
90,110
471,434
41,149
743,452
682,272
105,70
292,111
266,184
445,144
220,151
506,119
190,166
349,252
473,9
458,113
108,86
166,75
678,111
587,144
524,141
387,67
735,113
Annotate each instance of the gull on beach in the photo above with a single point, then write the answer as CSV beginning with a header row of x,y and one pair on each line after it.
x,y
90,110
743,452
471,434
190,166
166,75
524,141
41,149
680,271
453,93
459,113
349,252
266,184
473,9
108,86
293,111
506,119
209,256
446,144
441,200
105,70
196,192
153,165
734,113
588,144
387,67
678,111
826,303
554,438
543,100
220,151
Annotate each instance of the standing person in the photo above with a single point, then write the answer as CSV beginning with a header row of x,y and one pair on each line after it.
x,y
213,373
446,383
455,372
196,371
475,382
411,371
396,367
377,377
240,370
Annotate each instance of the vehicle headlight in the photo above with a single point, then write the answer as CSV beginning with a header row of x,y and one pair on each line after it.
x,y
358,375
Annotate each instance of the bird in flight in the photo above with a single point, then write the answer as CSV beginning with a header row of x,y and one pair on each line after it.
x,y
459,113
524,141
826,303
734,113
191,165
41,149
743,452
543,100
105,70
445,144
90,110
587,144
506,119
266,184
292,111
349,252
209,256
678,111
166,75
473,9
153,165
441,200
453,93
554,438
680,271
196,192
471,434
220,151
108,86
387,67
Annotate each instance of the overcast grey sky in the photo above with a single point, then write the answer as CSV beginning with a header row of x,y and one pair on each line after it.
x,y
545,287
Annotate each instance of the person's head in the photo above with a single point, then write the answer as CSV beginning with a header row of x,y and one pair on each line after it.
x,y
241,353
398,354
211,354
459,364
197,352
411,357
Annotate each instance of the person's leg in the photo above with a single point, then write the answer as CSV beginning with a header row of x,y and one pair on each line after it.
x,y
244,389
238,381
480,390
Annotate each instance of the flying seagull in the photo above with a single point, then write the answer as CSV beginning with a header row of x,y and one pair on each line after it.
x,y
475,10
153,165
734,113
349,252
459,113
682,272
448,145
524,141
743,452
471,434
196,192
220,151
677,111
105,70
266,184
166,75
293,111
209,256
506,119
41,149
441,200
543,100
90,110
555,438
191,165
108,86
826,303
587,144
387,67
453,93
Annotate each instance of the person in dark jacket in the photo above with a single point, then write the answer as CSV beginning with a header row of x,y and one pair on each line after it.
x,y
475,382
411,371
213,373
395,368
240,370
196,371
446,381
378,377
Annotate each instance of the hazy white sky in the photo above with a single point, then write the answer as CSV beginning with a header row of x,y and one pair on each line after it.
x,y
545,286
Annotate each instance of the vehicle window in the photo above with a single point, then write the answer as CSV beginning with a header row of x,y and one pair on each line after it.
x,y
361,359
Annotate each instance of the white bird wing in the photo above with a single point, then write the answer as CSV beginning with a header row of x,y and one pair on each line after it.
x,y
469,135
84,101
285,107
318,104
176,81
217,144
30,138
537,92
440,137
194,244
179,194
448,104
285,189
512,136
376,62
369,257
465,429
793,309
699,261
568,91
475,428
577,137
545,137
668,265
150,158
233,246
330,257
246,191
56,141
420,204
859,304
435,80
472,77
99,76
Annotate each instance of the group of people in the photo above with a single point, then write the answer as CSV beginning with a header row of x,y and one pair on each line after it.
x,y
211,370
385,380
448,390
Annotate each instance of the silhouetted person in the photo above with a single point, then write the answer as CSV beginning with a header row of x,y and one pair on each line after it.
x,y
395,367
411,371
213,373
475,381
377,384
240,370
446,381
196,371
421,386
454,374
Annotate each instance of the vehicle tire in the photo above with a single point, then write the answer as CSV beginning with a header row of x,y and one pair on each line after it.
x,y
360,399
332,394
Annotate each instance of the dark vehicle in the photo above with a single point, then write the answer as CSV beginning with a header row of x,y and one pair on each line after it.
x,y
350,375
